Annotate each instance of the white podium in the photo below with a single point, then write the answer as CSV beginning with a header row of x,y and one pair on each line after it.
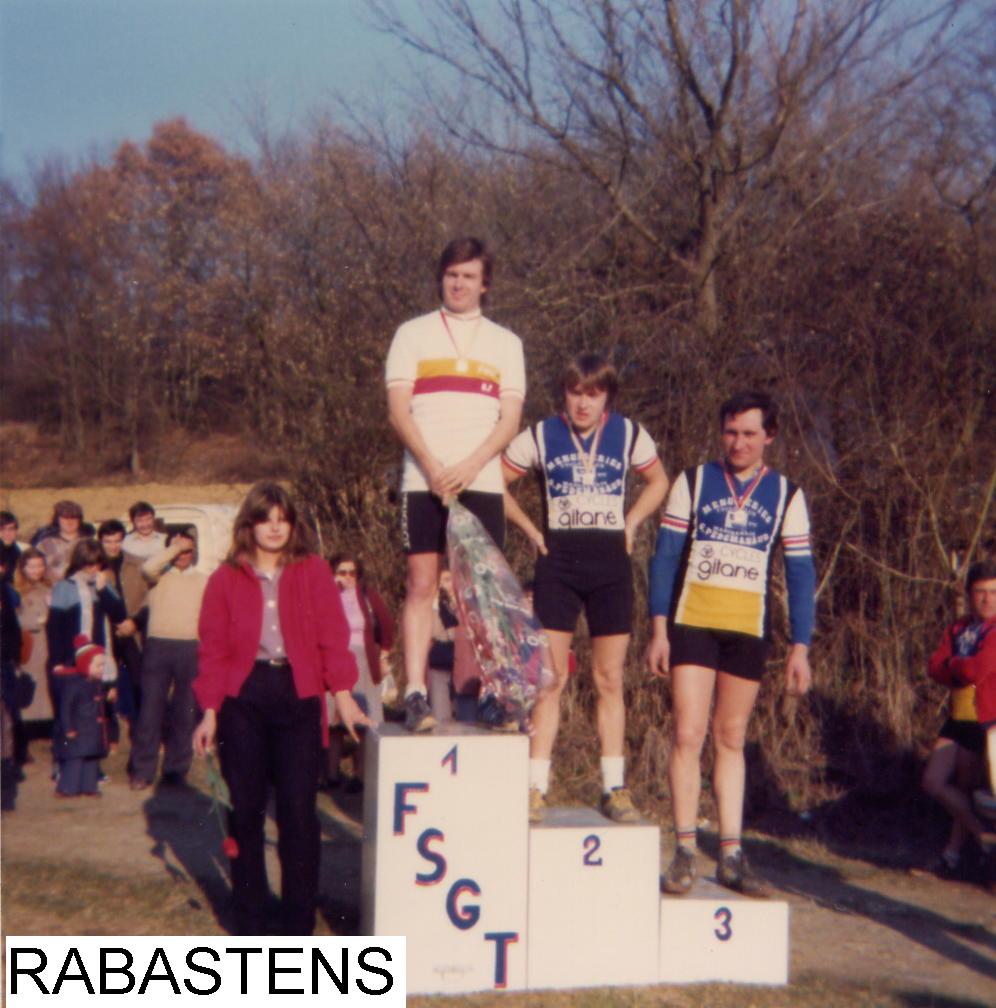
x,y
488,902
593,901
445,851
715,934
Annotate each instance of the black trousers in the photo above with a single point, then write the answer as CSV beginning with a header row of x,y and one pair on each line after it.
x,y
169,708
267,734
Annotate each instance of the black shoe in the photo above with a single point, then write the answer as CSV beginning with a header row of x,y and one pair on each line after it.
x,y
736,874
418,717
681,872
493,715
173,779
354,786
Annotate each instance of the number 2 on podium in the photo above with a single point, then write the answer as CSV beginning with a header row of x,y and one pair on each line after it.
x,y
590,845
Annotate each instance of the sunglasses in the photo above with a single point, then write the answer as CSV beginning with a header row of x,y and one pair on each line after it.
x,y
346,572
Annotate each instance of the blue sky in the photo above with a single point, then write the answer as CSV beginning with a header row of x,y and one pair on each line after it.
x,y
78,76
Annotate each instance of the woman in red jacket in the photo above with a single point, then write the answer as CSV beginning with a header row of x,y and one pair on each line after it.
x,y
273,638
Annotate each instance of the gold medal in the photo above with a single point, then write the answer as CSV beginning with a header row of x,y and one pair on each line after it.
x,y
462,363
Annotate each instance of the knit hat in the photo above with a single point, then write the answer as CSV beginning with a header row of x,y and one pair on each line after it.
x,y
86,651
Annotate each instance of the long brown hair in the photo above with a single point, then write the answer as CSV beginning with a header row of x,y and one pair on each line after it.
x,y
260,501
21,582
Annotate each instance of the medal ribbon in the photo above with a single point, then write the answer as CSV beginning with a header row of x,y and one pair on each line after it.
x,y
456,347
741,501
587,460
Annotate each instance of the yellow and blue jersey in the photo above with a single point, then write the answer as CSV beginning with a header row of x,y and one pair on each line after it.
x,y
712,565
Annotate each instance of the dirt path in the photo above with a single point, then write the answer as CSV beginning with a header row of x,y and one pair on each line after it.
x,y
149,863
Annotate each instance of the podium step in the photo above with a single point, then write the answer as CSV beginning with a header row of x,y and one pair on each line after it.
x,y
445,854
713,933
593,901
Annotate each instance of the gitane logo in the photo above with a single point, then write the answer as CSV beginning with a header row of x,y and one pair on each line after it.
x,y
576,517
725,564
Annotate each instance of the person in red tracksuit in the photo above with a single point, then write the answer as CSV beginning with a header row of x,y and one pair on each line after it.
x,y
965,662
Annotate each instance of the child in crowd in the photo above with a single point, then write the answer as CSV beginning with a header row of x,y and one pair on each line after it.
x,y
81,730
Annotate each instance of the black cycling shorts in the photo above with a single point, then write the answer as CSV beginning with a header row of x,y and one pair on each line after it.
x,y
600,583
423,518
738,654
970,735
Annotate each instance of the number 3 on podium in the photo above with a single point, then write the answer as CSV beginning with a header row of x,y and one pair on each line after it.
x,y
725,917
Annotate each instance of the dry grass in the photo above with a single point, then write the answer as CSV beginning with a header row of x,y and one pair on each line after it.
x,y
32,457
71,898
809,993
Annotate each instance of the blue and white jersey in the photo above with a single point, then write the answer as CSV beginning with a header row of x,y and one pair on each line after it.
x,y
584,490
712,565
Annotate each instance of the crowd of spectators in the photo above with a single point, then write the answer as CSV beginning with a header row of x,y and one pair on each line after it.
x,y
134,595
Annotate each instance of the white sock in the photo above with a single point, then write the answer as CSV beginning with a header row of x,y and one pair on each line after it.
x,y
539,774
613,772
409,690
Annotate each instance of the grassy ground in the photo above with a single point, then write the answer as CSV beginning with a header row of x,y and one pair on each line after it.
x,y
809,993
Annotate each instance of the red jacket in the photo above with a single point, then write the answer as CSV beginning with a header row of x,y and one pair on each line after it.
x,y
978,669
316,636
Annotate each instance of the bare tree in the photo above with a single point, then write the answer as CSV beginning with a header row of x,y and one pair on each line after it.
x,y
669,103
